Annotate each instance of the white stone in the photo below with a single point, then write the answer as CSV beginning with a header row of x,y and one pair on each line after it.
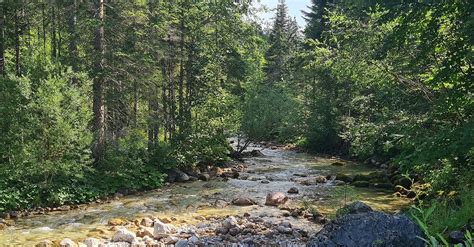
x,y
123,235
67,242
161,229
230,222
92,242
171,240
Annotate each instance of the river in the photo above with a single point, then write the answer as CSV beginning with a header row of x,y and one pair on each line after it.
x,y
185,203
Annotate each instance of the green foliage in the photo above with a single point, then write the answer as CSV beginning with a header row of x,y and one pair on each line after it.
x,y
45,136
266,114
443,216
127,165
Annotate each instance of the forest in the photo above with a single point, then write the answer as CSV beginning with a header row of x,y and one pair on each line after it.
x,y
99,97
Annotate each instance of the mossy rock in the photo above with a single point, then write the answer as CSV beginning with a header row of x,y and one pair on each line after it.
x,y
361,184
404,182
344,177
116,222
337,163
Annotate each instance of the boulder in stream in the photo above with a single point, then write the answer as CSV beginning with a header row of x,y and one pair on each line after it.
x,y
176,175
275,199
293,190
368,228
243,201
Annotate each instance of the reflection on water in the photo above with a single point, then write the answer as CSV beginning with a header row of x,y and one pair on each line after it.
x,y
186,201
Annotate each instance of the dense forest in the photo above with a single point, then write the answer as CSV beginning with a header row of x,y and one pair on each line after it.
x,y
106,96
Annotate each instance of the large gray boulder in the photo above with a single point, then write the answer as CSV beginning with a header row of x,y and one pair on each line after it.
x,y
176,175
369,228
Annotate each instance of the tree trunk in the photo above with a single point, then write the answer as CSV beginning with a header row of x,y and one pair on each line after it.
x,y
2,39
17,43
43,22
53,35
98,85
172,93
164,98
72,22
135,103
181,76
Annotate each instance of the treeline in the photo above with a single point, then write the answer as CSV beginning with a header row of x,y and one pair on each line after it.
x,y
387,82
104,96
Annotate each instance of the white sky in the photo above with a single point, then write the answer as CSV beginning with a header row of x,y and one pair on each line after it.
x,y
294,9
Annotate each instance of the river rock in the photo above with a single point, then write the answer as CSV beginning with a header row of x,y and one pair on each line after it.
x,y
344,177
293,190
361,184
222,230
204,177
45,243
230,222
216,171
171,240
149,240
181,243
146,222
243,201
162,230
220,204
337,163
116,222
320,179
339,182
116,244
284,230
234,231
356,208
145,231
275,199
123,235
194,240
456,237
91,242
67,242
181,176
138,243
3,226
368,229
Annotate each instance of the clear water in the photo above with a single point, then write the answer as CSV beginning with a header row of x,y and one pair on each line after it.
x,y
187,201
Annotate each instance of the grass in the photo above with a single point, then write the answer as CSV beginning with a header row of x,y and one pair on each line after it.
x,y
444,216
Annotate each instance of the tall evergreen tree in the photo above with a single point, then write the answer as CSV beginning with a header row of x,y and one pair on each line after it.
x,y
277,54
315,18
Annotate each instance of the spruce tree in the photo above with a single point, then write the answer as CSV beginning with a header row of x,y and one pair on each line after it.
x,y
277,53
315,19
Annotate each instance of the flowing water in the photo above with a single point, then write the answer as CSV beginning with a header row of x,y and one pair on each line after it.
x,y
185,202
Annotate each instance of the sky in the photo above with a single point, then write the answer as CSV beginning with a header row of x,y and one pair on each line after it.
x,y
294,9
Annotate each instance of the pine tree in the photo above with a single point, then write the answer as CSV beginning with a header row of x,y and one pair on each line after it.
x,y
279,45
315,19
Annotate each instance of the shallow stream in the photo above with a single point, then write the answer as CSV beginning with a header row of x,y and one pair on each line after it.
x,y
188,201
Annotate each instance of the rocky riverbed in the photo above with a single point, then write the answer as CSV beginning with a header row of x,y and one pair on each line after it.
x,y
280,198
